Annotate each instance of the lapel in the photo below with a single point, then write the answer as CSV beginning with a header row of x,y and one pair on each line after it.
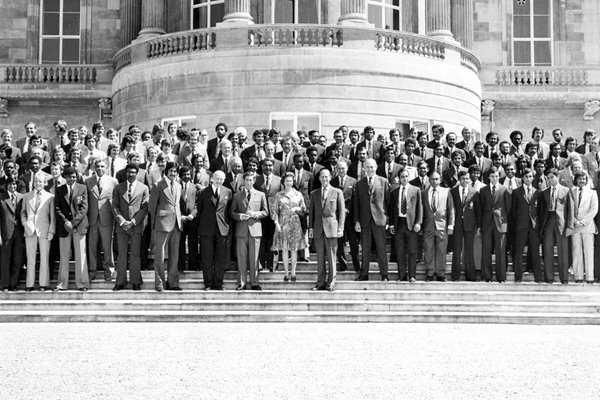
x,y
95,189
167,189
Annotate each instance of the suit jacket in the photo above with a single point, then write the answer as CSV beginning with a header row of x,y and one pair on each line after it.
x,y
141,176
347,190
443,217
374,206
136,210
353,170
413,160
494,212
582,211
590,164
486,163
377,149
327,216
582,149
517,183
450,176
467,213
349,152
426,153
562,163
540,182
259,184
240,205
25,181
562,195
290,164
393,178
164,206
100,203
113,168
218,164
418,183
305,186
233,183
315,170
414,206
103,143
189,199
445,164
73,209
214,213
51,186
525,212
467,148
41,221
10,217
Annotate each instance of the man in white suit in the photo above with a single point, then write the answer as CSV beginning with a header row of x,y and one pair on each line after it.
x,y
37,216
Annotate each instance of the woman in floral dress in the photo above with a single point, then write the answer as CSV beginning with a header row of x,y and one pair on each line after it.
x,y
289,237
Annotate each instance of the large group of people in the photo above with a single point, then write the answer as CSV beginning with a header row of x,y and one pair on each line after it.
x,y
173,200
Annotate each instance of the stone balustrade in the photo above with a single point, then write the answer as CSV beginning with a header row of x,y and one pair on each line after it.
x,y
56,73
181,42
542,76
282,35
122,59
410,44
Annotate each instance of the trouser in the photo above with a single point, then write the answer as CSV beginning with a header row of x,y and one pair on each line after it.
x,y
463,240
266,254
583,256
166,244
406,250
247,248
190,232
11,260
129,244
213,259
104,233
378,234
434,249
477,253
552,235
31,244
81,271
597,257
353,240
326,251
492,238
523,236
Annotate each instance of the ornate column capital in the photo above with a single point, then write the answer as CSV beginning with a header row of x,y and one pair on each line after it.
x,y
105,105
3,107
237,12
487,107
590,108
354,12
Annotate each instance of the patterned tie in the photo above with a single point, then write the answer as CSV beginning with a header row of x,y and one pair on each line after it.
x,y
370,186
38,200
434,201
129,188
528,196
13,200
553,199
172,189
464,196
248,195
403,201
494,192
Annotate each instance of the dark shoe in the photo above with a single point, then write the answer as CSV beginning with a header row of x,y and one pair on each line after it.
x,y
589,282
384,278
331,289
342,269
318,288
578,281
30,289
564,282
293,278
403,278
117,288
136,288
256,287
42,289
83,289
362,278
441,279
429,279
207,289
303,259
107,276
159,289
412,280
286,278
220,288
175,288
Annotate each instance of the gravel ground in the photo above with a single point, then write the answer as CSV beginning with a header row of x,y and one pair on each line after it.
x,y
298,361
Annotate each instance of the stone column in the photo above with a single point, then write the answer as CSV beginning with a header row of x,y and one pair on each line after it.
x,y
237,12
131,20
462,22
353,12
154,18
438,19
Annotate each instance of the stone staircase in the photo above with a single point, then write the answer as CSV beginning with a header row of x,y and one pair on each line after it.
x,y
367,301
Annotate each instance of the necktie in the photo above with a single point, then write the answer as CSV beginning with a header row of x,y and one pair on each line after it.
x,y
494,192
370,186
99,186
70,194
464,196
226,163
323,197
298,172
247,195
389,175
185,186
13,199
553,199
218,149
38,200
172,189
510,185
261,153
528,196
434,200
217,194
268,185
403,201
285,161
555,162
410,161
112,167
26,146
479,162
129,189
580,196
362,170
342,183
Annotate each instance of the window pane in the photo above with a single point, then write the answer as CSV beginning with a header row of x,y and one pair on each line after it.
x,y
52,5
308,122
521,7
521,27
196,18
308,12
285,126
284,12
392,18
71,6
410,16
201,16
70,24
217,12
542,53
522,53
199,1
541,7
70,51
375,15
541,27
50,51
50,24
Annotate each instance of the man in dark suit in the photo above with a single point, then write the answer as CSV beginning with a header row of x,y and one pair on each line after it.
x,y
406,216
312,166
255,150
421,181
189,232
270,185
15,153
213,207
11,170
450,176
374,147
467,144
286,156
555,160
221,163
130,205
71,205
100,189
495,209
438,163
164,207
478,158
346,184
357,169
213,145
525,200
26,178
371,197
389,169
249,207
11,236
467,224
326,225
437,132
422,150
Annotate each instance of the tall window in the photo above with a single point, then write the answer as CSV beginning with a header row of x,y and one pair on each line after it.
x,y
398,15
188,121
207,13
532,32
60,32
293,122
296,11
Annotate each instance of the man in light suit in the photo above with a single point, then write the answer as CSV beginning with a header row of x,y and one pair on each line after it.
x,y
249,206
525,211
38,219
165,213
11,236
467,208
591,160
438,224
406,216
102,142
583,207
101,219
326,221
71,204
130,205
213,206
346,184
189,197
495,209
371,197
270,185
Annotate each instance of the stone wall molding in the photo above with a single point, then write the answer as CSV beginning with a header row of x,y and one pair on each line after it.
x,y
3,107
105,104
487,107
591,107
